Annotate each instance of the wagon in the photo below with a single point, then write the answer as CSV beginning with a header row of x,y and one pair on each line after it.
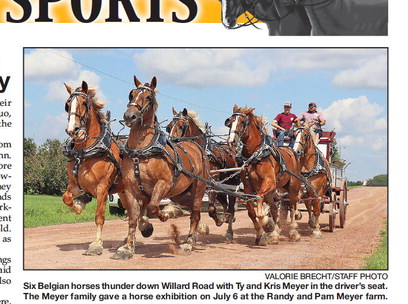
x,y
338,199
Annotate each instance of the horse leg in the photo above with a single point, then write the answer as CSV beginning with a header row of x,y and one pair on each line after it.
x,y
70,197
131,204
197,192
260,233
159,192
145,227
229,234
275,214
212,211
293,200
95,248
316,214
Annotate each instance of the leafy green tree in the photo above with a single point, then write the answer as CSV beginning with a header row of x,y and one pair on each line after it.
x,y
32,168
379,181
54,167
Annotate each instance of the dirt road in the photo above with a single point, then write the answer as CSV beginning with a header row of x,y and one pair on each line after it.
x,y
61,247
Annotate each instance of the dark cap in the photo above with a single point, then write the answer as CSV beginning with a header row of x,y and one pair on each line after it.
x,y
312,104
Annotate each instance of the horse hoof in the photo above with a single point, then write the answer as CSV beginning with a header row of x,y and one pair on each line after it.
x,y
77,208
229,236
94,249
186,247
294,236
317,235
122,255
203,229
171,211
148,231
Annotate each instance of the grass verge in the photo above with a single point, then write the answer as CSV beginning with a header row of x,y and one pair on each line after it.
x,y
379,259
45,210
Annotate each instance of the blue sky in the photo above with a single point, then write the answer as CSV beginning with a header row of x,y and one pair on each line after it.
x,y
348,85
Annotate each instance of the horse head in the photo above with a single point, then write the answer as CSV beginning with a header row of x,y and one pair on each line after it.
x,y
77,106
231,10
303,139
142,101
179,126
238,125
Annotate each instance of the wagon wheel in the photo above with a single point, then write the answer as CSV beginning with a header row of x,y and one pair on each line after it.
x,y
332,212
343,205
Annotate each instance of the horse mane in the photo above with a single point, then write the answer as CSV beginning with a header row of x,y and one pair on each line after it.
x,y
259,120
196,119
97,105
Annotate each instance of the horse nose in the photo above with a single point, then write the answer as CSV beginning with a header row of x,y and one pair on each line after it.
x,y
129,117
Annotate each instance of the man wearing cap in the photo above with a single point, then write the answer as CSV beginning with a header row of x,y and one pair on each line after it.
x,y
284,123
315,118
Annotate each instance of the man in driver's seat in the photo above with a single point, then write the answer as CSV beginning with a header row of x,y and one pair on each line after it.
x,y
284,123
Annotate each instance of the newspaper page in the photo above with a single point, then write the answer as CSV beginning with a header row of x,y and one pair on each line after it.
x,y
202,151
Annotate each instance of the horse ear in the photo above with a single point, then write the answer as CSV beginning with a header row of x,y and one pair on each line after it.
x,y
185,112
69,89
153,83
174,111
84,87
137,82
235,109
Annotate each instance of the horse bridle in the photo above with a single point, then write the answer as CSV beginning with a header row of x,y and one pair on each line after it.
x,y
151,100
245,122
82,118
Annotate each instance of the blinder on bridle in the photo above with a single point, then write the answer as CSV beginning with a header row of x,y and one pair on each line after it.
x,y
73,95
228,121
151,99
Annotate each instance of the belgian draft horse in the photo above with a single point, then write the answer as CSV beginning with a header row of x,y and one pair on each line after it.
x,y
153,168
94,162
312,17
268,169
186,124
315,167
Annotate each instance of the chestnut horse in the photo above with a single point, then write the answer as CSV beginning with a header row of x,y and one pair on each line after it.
x,y
154,168
268,168
311,17
186,126
94,162
315,167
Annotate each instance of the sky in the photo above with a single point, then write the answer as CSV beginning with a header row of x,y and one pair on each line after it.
x,y
349,86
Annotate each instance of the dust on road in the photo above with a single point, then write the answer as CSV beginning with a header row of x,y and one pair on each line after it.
x,y
62,246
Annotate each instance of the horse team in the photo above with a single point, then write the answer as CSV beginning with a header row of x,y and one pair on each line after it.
x,y
151,166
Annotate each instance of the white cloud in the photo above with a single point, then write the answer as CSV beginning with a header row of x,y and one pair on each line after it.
x,y
204,67
43,65
58,123
359,122
57,92
352,68
370,75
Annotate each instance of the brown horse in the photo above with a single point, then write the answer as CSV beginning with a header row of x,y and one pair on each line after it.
x,y
94,162
186,126
267,168
315,167
154,168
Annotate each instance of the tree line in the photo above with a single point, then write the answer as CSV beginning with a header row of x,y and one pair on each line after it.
x,y
45,167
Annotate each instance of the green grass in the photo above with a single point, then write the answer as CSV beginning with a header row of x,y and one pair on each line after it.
x,y
45,210
379,260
